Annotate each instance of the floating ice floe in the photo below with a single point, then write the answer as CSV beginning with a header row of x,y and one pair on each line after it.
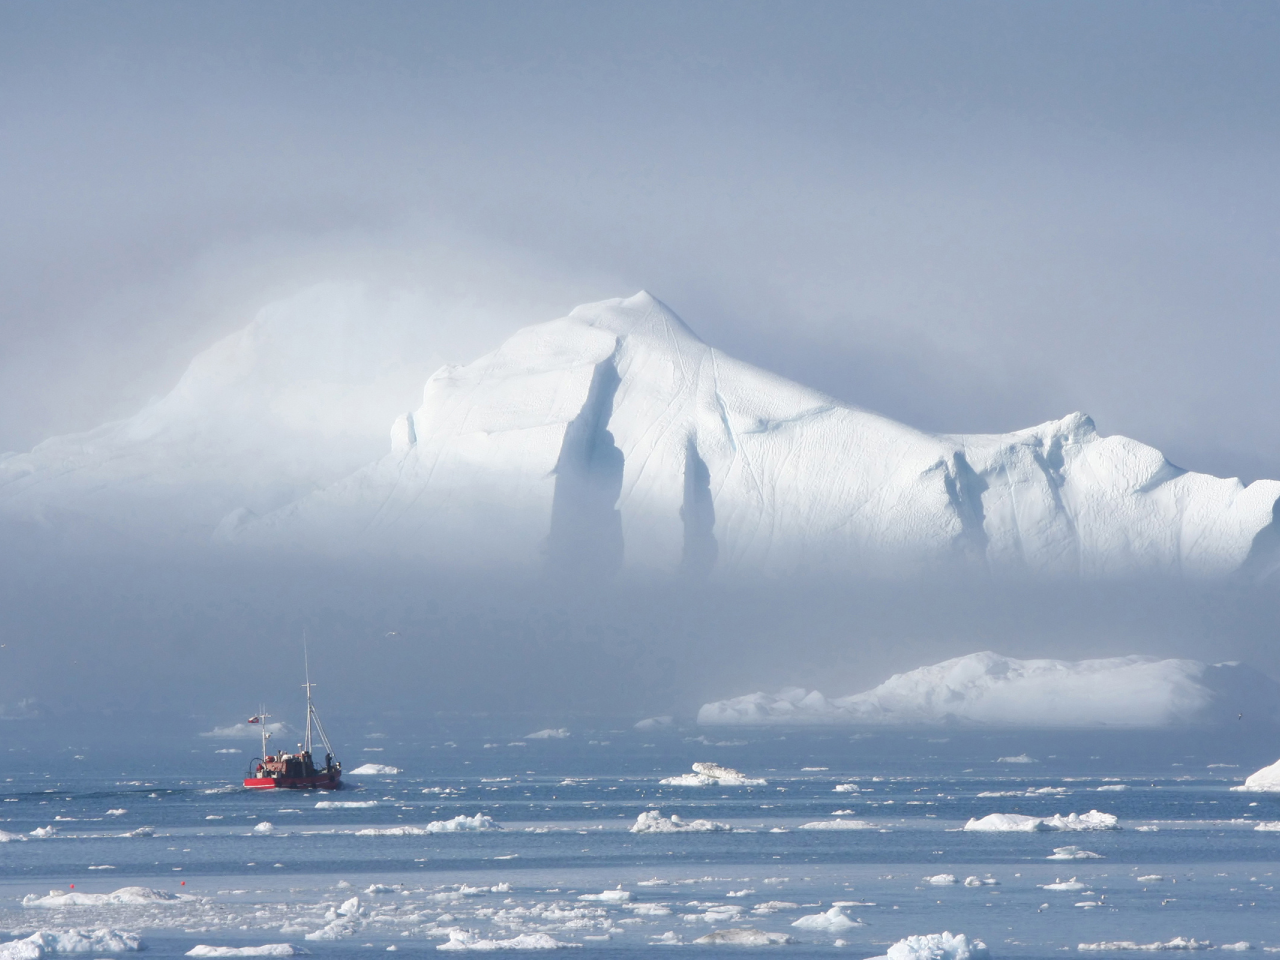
x,y
846,788
986,689
707,774
462,940
1111,787
833,921
941,879
1019,823
981,882
550,733
1177,943
1073,853
266,950
140,832
837,824
459,824
1020,758
1268,825
345,804
44,833
265,828
1266,780
652,821
937,946
744,937
6,837
1064,886
117,812
372,769
44,942
608,896
142,896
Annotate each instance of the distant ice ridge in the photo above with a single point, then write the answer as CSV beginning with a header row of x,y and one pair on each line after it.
x,y
44,942
611,438
937,946
459,824
709,774
372,769
266,950
834,920
989,689
142,896
1177,943
1018,823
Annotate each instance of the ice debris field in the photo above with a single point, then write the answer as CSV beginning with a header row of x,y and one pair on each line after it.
x,y
613,845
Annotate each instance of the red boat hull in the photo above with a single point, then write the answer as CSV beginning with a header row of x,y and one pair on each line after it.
x,y
321,781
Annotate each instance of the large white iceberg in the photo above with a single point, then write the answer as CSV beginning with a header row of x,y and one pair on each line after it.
x,y
1266,780
613,438
652,821
1018,823
712,774
986,688
45,942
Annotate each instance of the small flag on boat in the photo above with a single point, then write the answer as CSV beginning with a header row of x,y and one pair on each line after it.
x,y
255,719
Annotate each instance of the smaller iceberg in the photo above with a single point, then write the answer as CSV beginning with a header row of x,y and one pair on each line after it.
x,y
1018,823
1266,780
834,920
373,769
744,937
712,774
937,946
652,821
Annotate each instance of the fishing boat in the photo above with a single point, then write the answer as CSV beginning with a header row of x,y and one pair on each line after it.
x,y
295,771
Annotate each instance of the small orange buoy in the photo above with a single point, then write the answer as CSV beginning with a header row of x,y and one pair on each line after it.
x,y
184,883
73,886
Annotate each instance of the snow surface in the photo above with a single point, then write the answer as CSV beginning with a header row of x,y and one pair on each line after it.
x,y
616,437
744,937
1177,943
461,940
372,769
937,946
712,774
141,896
266,950
652,821
989,689
1019,823
44,942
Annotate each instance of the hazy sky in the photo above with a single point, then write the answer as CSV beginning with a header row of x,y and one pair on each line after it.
x,y
972,217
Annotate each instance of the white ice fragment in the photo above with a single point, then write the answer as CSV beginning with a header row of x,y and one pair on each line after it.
x,y
1020,758
373,769
265,828
6,837
1019,823
837,824
1064,886
707,774
1177,943
117,812
846,788
140,832
1073,853
44,942
1266,780
266,950
941,879
462,940
1268,825
652,821
550,733
937,946
608,896
44,832
1006,822
1241,945
981,882
344,804
744,937
833,921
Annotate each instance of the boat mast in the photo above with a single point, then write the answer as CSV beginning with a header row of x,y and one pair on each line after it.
x,y
262,719
306,663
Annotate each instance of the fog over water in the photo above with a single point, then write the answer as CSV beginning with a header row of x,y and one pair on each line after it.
x,y
968,219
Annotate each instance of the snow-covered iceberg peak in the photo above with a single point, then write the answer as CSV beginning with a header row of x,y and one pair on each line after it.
x,y
986,688
615,437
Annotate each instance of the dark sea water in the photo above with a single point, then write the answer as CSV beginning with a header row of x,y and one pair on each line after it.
x,y
562,809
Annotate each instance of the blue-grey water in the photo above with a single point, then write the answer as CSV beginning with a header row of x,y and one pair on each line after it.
x,y
1186,862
